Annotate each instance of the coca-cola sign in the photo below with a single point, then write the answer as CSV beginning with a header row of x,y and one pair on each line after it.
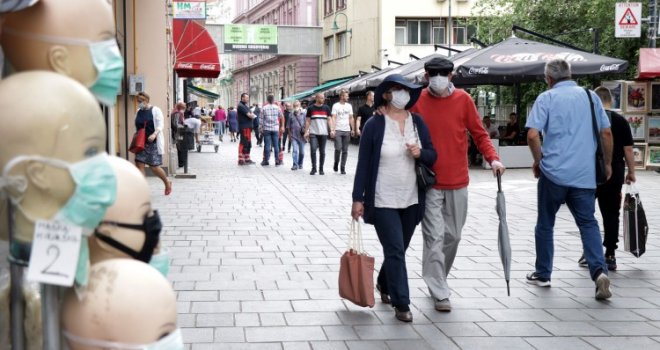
x,y
207,66
185,65
610,68
478,70
524,57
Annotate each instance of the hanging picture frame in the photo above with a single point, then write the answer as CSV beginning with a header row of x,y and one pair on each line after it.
x,y
653,127
639,155
655,97
637,123
616,88
636,97
653,157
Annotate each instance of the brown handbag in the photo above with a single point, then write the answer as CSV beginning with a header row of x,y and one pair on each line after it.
x,y
356,271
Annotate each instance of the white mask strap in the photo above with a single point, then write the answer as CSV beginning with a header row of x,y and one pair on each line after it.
x,y
101,343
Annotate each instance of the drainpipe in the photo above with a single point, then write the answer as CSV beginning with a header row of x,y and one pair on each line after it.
x,y
125,92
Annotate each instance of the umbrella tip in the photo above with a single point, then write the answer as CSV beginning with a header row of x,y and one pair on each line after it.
x,y
508,290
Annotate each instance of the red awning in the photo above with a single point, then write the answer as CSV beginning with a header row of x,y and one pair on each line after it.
x,y
196,52
649,63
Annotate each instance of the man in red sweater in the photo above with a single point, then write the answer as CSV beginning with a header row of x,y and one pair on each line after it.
x,y
449,113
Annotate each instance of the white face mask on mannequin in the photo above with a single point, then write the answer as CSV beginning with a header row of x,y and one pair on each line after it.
x,y
400,98
173,341
438,83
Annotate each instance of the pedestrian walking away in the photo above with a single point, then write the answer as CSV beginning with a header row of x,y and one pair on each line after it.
x,y
565,167
271,125
245,117
609,193
385,190
365,112
255,124
296,129
344,126
317,123
448,112
288,111
232,123
219,118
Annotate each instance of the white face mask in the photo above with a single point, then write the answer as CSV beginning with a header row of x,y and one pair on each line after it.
x,y
400,98
173,341
438,83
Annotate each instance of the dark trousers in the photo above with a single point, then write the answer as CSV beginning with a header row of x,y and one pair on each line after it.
x,y
342,139
245,145
317,142
395,228
609,203
285,136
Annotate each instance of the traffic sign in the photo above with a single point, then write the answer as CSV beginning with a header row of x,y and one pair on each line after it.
x,y
628,20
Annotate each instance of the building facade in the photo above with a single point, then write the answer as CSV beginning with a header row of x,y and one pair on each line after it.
x,y
359,35
263,74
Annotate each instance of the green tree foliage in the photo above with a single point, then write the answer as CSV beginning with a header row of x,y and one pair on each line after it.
x,y
565,20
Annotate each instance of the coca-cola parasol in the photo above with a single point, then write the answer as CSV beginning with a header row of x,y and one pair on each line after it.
x,y
516,60
196,52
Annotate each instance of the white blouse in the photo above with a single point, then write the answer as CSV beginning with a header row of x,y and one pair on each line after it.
x,y
396,184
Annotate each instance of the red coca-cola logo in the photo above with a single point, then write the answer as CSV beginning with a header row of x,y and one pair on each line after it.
x,y
185,65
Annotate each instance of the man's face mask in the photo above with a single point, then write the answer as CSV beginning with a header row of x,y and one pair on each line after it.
x,y
151,227
173,341
106,58
96,188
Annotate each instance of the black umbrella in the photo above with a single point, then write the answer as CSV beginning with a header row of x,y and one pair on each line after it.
x,y
503,242
516,60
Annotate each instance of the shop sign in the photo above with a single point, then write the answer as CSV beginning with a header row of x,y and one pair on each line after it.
x,y
627,20
189,9
250,38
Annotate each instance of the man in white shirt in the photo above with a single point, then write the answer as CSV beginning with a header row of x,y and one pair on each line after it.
x,y
342,115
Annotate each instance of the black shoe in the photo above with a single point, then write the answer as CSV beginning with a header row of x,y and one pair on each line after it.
x,y
343,171
313,171
264,163
335,167
583,261
610,260
533,278
321,172
249,162
403,316
278,163
384,297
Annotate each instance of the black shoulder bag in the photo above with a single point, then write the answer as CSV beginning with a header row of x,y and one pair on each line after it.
x,y
601,174
425,176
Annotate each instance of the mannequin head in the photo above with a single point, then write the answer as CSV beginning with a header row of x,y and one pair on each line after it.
x,y
126,301
132,205
49,115
90,20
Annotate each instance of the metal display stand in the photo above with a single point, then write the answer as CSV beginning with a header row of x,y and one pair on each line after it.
x,y
16,300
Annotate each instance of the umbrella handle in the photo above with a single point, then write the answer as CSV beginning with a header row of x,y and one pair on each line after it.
x,y
499,181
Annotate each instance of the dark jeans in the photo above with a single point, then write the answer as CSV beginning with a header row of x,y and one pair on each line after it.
x,y
271,141
581,203
395,228
317,142
285,136
342,139
609,203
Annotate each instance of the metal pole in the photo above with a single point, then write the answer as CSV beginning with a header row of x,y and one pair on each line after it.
x,y
17,309
653,22
50,314
451,28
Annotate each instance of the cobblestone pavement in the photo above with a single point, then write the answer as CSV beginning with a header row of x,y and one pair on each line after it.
x,y
256,253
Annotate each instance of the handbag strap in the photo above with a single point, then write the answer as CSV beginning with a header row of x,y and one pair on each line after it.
x,y
593,120
355,237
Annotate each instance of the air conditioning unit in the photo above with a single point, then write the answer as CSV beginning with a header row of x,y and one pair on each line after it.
x,y
135,84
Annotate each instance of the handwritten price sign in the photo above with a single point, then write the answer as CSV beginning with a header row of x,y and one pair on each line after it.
x,y
55,251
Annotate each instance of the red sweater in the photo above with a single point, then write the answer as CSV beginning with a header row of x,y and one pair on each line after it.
x,y
448,119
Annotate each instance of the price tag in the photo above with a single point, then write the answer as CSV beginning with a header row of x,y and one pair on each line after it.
x,y
55,251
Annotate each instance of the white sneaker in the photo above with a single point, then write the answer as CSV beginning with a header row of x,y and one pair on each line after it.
x,y
603,287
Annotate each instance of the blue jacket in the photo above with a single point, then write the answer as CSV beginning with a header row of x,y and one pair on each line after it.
x,y
364,185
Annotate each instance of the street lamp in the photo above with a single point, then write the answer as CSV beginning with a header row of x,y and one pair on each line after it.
x,y
335,27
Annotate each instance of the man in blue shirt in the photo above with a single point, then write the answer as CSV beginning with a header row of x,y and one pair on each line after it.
x,y
565,167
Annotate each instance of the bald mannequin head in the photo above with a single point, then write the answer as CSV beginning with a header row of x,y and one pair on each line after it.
x,y
51,35
50,115
126,301
132,205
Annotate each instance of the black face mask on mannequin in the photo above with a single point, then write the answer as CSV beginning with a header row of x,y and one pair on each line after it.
x,y
151,228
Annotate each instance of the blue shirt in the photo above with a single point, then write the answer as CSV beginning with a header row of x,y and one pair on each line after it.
x,y
563,115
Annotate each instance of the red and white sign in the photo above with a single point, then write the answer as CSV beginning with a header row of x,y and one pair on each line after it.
x,y
628,20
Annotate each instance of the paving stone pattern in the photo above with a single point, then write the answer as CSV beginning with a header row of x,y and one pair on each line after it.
x,y
255,257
